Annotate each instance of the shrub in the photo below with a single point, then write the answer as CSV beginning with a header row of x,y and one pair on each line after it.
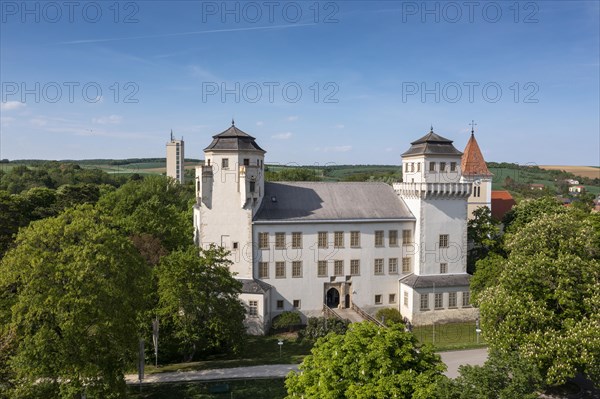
x,y
389,316
318,327
287,320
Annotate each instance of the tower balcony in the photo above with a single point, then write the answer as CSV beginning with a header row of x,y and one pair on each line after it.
x,y
434,190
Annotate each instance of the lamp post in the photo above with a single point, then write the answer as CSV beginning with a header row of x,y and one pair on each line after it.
x,y
477,329
280,343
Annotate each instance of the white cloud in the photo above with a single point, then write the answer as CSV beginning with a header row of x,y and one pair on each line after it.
x,y
6,120
339,148
38,121
11,105
283,136
108,120
260,123
292,118
339,126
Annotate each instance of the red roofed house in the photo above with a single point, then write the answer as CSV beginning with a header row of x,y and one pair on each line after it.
x,y
502,202
476,172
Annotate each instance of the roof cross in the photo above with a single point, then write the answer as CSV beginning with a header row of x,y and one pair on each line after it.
x,y
473,124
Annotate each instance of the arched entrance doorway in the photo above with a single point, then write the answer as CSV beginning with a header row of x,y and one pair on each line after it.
x,y
333,297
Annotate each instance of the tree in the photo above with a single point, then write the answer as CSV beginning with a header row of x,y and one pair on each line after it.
x,y
500,377
71,290
287,320
545,305
530,210
367,362
389,316
199,297
483,234
318,327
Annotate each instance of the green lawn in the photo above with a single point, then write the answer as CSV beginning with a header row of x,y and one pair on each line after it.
x,y
250,389
452,336
257,351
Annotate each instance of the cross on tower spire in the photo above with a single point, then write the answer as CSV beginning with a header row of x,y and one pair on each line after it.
x,y
473,124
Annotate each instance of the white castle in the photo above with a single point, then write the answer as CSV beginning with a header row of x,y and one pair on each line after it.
x,y
348,247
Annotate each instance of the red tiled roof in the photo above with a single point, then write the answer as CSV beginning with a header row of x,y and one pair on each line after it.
x,y
502,202
472,162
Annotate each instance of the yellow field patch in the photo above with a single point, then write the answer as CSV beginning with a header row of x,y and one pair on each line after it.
x,y
584,171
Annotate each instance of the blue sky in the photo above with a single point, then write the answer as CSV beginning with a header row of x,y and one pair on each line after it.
x,y
110,80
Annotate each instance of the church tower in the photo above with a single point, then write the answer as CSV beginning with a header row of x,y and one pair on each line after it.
x,y
476,173
229,191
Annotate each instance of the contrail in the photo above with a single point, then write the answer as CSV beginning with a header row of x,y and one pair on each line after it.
x,y
185,33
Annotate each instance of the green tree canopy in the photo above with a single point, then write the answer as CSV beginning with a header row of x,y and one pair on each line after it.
x,y
545,304
72,289
198,297
367,362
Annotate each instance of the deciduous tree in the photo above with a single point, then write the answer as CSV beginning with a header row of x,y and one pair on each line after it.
x,y
367,362
72,290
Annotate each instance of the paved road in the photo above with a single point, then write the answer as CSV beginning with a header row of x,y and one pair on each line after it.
x,y
452,359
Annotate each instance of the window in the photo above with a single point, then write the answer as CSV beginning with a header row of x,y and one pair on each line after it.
x,y
378,266
236,245
338,267
263,270
452,299
432,166
393,238
443,268
412,166
406,237
424,302
406,298
466,299
263,240
392,298
406,265
439,300
252,186
279,269
355,267
296,303
355,239
452,166
296,240
322,239
379,238
442,166
297,268
322,268
443,240
406,167
279,240
378,300
225,163
338,239
279,304
246,162
418,166
253,308
393,265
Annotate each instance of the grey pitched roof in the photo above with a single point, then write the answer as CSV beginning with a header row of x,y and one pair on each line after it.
x,y
440,280
432,144
251,286
234,139
313,201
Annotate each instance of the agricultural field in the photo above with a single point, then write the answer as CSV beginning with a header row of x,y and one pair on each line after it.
x,y
593,172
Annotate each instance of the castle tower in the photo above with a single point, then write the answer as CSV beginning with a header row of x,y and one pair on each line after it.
x,y
229,191
175,159
433,192
476,173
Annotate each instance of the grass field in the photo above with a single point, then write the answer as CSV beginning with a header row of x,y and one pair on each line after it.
x,y
446,337
244,389
593,172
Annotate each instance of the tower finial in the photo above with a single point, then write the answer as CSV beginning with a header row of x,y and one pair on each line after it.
x,y
473,124
232,122
171,134
431,129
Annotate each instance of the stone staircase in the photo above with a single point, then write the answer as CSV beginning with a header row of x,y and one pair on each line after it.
x,y
349,314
